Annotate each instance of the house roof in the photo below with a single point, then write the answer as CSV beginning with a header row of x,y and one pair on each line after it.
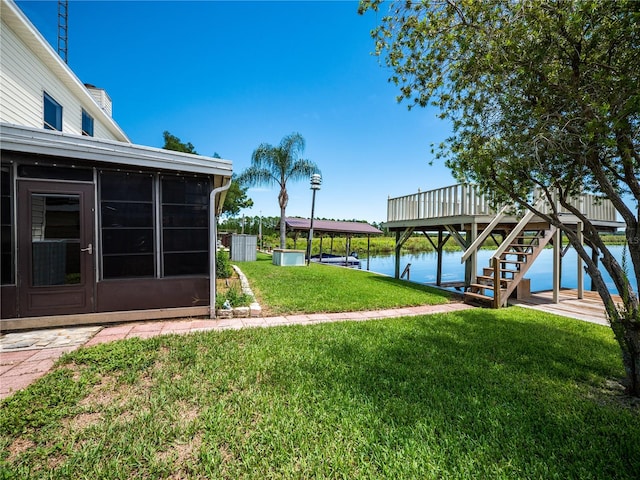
x,y
53,143
28,33
331,226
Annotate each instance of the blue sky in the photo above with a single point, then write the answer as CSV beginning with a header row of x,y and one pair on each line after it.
x,y
228,76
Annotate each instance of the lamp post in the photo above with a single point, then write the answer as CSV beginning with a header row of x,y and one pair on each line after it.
x,y
316,180
260,230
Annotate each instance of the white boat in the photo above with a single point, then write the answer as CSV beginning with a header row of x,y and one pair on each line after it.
x,y
352,260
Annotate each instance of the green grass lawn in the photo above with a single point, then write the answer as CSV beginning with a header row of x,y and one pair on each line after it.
x,y
324,288
486,394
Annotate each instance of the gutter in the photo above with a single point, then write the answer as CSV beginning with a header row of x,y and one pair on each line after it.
x,y
213,245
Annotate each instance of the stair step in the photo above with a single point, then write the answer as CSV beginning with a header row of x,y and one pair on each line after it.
x,y
488,271
521,249
518,254
480,286
477,297
489,278
515,262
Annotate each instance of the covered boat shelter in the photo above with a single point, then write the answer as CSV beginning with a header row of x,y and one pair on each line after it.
x,y
332,228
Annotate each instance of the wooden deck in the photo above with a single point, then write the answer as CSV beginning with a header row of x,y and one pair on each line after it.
x,y
467,216
457,206
590,308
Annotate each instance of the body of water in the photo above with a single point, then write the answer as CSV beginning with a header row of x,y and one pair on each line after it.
x,y
423,268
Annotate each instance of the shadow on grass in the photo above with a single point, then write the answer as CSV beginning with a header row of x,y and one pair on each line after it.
x,y
510,392
415,286
473,394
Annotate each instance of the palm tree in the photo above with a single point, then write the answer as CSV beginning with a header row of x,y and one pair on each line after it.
x,y
277,165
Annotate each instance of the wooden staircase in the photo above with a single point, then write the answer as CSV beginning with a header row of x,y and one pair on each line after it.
x,y
508,267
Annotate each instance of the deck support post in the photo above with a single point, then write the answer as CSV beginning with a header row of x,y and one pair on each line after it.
x,y
368,250
580,276
347,247
438,248
398,246
557,248
439,264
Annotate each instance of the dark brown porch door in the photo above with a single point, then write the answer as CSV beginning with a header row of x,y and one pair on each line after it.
x,y
55,248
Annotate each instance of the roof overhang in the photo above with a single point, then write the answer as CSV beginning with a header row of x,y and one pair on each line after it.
x,y
52,143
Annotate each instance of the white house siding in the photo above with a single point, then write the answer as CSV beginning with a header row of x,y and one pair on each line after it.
x,y
99,131
24,78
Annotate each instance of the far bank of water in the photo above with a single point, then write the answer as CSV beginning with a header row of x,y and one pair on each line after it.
x,y
423,267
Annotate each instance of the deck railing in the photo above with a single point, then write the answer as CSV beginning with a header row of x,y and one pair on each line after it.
x,y
442,202
593,207
465,200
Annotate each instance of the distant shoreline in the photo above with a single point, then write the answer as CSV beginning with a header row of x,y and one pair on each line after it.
x,y
416,244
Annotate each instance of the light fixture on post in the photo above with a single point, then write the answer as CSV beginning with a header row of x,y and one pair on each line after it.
x,y
260,230
316,180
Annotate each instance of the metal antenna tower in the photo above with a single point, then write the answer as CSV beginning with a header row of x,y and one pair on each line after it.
x,y
63,15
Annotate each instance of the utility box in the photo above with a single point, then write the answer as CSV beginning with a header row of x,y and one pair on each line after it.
x,y
287,258
243,248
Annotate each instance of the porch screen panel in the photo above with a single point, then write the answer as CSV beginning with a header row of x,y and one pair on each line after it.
x,y
6,234
127,226
185,226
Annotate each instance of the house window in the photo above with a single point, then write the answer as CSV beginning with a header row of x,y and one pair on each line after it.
x,y
52,113
127,225
87,124
6,234
185,226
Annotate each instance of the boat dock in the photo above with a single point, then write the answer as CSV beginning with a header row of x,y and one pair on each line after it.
x,y
589,308
468,217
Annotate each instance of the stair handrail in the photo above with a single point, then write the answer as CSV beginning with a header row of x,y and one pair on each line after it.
x,y
485,233
516,231
407,272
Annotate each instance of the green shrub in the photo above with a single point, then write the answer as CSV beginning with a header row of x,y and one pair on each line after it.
x,y
223,265
235,296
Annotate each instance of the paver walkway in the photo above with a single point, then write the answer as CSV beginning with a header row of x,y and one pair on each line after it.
x,y
27,356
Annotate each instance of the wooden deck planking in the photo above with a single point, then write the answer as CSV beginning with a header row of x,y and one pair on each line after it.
x,y
590,308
